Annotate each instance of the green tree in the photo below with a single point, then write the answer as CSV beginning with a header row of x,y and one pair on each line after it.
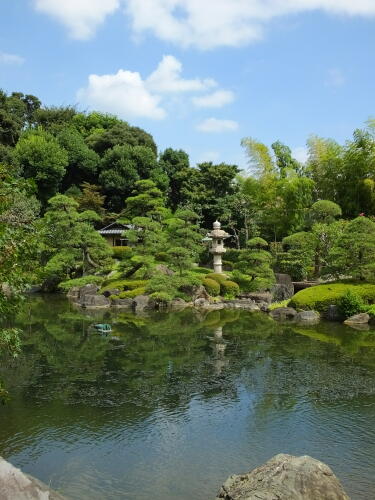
x,y
42,158
82,162
253,269
71,246
354,252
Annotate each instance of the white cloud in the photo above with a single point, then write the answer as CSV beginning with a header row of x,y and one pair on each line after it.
x,y
214,23
215,125
124,94
207,24
335,78
300,154
6,58
128,95
167,78
81,17
215,100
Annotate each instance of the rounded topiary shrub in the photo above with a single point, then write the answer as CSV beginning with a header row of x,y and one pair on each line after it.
x,y
212,287
217,277
229,288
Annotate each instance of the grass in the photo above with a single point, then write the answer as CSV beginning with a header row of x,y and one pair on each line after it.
x,y
320,297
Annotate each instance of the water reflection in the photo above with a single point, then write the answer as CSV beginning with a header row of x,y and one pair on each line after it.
x,y
168,405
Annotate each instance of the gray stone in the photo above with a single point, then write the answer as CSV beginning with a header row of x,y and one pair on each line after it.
x,y
358,319
143,303
245,304
73,293
333,313
177,303
308,317
201,302
285,477
90,289
283,289
111,291
94,301
283,313
163,269
122,303
15,485
257,297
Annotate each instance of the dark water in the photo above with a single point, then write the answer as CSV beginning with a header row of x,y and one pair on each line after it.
x,y
166,408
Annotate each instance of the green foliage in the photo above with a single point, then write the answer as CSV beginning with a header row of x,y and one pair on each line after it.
x,y
71,247
84,280
219,278
212,287
354,253
253,271
123,284
162,297
10,342
325,211
42,158
175,286
320,297
130,294
120,253
229,288
350,303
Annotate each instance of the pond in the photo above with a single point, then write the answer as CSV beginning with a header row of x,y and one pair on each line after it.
x,y
167,406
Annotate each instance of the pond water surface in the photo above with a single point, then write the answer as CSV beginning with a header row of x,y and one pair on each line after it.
x,y
169,405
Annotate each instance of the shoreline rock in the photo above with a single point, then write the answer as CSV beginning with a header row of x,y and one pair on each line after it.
x,y
285,477
16,485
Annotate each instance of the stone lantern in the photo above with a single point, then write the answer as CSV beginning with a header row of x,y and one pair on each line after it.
x,y
217,237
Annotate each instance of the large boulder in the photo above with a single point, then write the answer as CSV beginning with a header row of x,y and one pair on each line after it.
x,y
358,319
283,289
283,313
143,303
122,303
15,485
307,317
285,477
90,289
94,301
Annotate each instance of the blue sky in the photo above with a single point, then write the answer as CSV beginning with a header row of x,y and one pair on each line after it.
x,y
200,75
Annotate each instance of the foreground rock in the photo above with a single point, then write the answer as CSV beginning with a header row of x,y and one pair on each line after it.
x,y
285,477
15,485
358,319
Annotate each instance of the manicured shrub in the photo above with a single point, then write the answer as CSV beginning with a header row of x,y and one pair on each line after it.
x,y
122,252
123,284
217,277
232,254
161,297
85,280
212,287
320,297
229,288
350,303
130,294
200,270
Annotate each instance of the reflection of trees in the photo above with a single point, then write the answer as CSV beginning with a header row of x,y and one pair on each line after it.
x,y
165,359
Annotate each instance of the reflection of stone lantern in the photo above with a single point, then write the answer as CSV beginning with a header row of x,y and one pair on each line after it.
x,y
217,237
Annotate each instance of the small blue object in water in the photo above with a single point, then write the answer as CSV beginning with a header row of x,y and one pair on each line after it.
x,y
103,327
